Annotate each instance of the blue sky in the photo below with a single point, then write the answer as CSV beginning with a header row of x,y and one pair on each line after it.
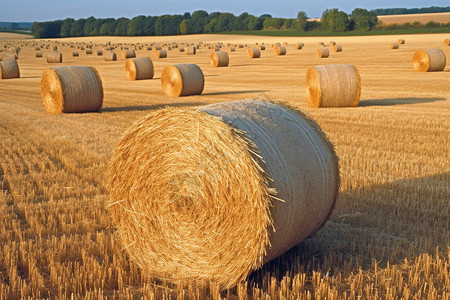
x,y
49,10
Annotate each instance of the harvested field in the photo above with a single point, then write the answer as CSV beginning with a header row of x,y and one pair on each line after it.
x,y
411,18
388,236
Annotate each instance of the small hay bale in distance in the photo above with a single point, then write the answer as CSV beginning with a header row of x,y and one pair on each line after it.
x,y
71,89
88,51
332,43
182,176
191,50
219,59
182,80
75,54
323,52
280,50
128,53
298,46
262,47
394,45
9,68
39,53
429,60
139,68
162,53
110,56
335,85
337,48
447,42
181,49
253,52
156,47
54,57
99,52
401,41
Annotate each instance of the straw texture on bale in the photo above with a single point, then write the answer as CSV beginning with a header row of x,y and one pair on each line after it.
x,y
394,45
71,89
191,50
429,60
323,52
128,54
337,48
333,85
9,69
193,190
110,56
161,53
253,52
182,80
280,50
139,68
219,59
54,57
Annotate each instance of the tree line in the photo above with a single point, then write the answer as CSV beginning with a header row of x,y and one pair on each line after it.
x,y
405,11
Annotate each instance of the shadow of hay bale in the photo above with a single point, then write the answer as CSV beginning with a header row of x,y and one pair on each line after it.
x,y
398,101
149,107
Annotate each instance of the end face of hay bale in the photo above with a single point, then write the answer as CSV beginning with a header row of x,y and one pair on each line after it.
x,y
139,68
9,69
323,52
280,50
333,86
337,48
71,89
429,60
447,42
38,53
219,59
54,57
191,50
182,80
253,52
110,56
394,45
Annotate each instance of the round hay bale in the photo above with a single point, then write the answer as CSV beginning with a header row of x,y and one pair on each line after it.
x,y
181,49
447,42
110,56
321,44
332,43
262,47
71,89
128,53
401,41
231,49
38,53
333,86
193,190
156,47
253,52
191,50
394,45
298,46
88,51
280,50
9,68
182,80
219,59
54,57
161,53
139,68
337,48
323,52
429,60
99,52
75,54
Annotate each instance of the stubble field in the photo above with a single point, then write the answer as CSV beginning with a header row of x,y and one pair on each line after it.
x,y
389,234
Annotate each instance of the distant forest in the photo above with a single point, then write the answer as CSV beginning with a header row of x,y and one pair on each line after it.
x,y
407,11
200,21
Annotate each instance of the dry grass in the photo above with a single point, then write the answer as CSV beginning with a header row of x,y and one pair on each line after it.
x,y
387,238
421,18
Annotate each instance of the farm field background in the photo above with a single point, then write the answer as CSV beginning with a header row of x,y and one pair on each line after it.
x,y
389,234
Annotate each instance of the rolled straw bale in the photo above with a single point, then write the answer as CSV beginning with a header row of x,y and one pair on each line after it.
x,y
337,48
280,50
99,52
54,57
298,46
216,47
181,49
88,51
285,43
156,47
394,45
219,59
55,48
447,42
110,56
182,80
429,60
191,50
75,54
231,49
262,47
71,89
401,41
38,53
9,68
321,44
128,53
323,52
333,86
253,52
139,68
193,190
161,53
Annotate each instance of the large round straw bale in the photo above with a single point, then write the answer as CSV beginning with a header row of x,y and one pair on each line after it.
x,y
75,54
128,53
298,46
253,52
280,50
182,80
219,59
38,53
71,89
139,68
429,60
323,52
191,50
337,48
110,56
333,86
161,53
193,190
54,57
9,68
394,45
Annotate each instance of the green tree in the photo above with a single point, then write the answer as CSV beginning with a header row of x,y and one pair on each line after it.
x,y
241,22
254,23
273,23
14,26
362,19
334,20
89,26
185,26
78,28
168,25
302,19
46,29
109,27
199,20
211,26
136,27
122,27
225,22
149,28
66,27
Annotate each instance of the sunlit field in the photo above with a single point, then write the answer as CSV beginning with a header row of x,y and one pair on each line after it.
x,y
388,236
